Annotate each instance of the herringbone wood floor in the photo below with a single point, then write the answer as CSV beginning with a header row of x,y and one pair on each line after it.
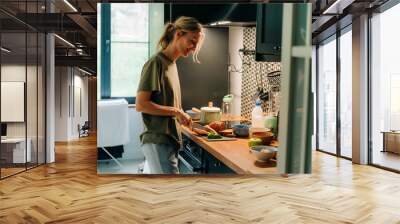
x,y
70,191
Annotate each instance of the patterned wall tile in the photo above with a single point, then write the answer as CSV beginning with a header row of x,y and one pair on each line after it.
x,y
253,71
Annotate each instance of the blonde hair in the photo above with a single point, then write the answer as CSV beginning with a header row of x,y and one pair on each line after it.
x,y
184,24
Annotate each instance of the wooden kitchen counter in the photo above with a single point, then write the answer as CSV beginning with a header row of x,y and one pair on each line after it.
x,y
234,154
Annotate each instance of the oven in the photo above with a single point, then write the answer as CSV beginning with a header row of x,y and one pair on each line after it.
x,y
190,157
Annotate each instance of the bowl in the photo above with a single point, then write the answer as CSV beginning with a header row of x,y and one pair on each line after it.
x,y
241,130
264,135
264,153
227,133
193,115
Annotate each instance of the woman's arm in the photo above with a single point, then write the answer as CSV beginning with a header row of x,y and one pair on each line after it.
x,y
145,105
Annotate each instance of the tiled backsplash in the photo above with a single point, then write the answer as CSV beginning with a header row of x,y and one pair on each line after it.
x,y
251,68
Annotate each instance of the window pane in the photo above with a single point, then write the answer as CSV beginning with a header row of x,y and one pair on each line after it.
x,y
327,97
32,100
313,87
13,84
129,22
346,94
385,88
394,102
127,60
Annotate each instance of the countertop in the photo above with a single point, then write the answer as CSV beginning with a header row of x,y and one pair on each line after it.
x,y
234,154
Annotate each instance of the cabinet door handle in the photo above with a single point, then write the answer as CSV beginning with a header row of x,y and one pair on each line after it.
x,y
277,48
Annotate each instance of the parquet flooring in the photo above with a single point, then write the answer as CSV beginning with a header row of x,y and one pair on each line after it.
x,y
10,171
70,191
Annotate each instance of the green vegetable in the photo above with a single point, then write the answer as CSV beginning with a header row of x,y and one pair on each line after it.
x,y
213,135
254,142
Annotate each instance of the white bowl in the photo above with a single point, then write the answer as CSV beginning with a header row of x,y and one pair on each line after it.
x,y
193,115
264,153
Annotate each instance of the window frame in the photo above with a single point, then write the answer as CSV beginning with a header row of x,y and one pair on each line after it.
x,y
338,33
106,61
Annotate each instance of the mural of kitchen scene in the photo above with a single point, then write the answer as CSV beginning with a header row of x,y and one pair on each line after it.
x,y
233,96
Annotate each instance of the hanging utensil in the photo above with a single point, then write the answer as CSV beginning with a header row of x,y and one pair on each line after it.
x,y
264,94
258,90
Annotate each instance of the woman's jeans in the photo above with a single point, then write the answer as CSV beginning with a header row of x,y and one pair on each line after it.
x,y
161,158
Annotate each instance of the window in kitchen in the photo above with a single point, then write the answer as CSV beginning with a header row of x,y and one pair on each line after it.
x,y
385,89
129,37
129,46
326,106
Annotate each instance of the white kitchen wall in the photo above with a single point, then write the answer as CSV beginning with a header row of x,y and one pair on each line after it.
x,y
243,84
235,77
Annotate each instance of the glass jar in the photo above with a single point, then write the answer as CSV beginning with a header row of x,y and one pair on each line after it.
x,y
227,110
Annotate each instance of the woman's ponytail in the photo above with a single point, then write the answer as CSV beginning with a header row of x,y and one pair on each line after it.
x,y
168,35
185,24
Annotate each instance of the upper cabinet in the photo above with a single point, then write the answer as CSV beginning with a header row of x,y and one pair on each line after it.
x,y
236,13
269,32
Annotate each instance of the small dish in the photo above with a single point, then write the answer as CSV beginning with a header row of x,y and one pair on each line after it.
x,y
264,153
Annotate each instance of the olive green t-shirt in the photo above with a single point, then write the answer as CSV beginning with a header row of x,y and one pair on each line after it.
x,y
160,76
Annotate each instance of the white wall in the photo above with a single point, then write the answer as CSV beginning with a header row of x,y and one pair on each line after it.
x,y
61,103
15,72
81,83
68,81
235,85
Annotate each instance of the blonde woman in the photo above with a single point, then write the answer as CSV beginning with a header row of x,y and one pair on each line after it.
x,y
159,96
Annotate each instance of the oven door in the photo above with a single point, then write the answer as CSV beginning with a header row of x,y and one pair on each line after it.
x,y
188,164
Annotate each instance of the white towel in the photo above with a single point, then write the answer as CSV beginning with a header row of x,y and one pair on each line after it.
x,y
112,122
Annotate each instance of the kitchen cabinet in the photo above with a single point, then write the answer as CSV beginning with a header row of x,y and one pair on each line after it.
x,y
213,166
235,12
190,157
269,32
193,159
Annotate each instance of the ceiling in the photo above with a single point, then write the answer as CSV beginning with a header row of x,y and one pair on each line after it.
x,y
76,22
237,13
335,15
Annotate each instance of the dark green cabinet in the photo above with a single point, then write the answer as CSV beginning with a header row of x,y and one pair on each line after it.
x,y
269,32
213,166
193,159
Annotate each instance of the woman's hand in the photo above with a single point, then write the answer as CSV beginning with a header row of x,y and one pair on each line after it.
x,y
184,118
